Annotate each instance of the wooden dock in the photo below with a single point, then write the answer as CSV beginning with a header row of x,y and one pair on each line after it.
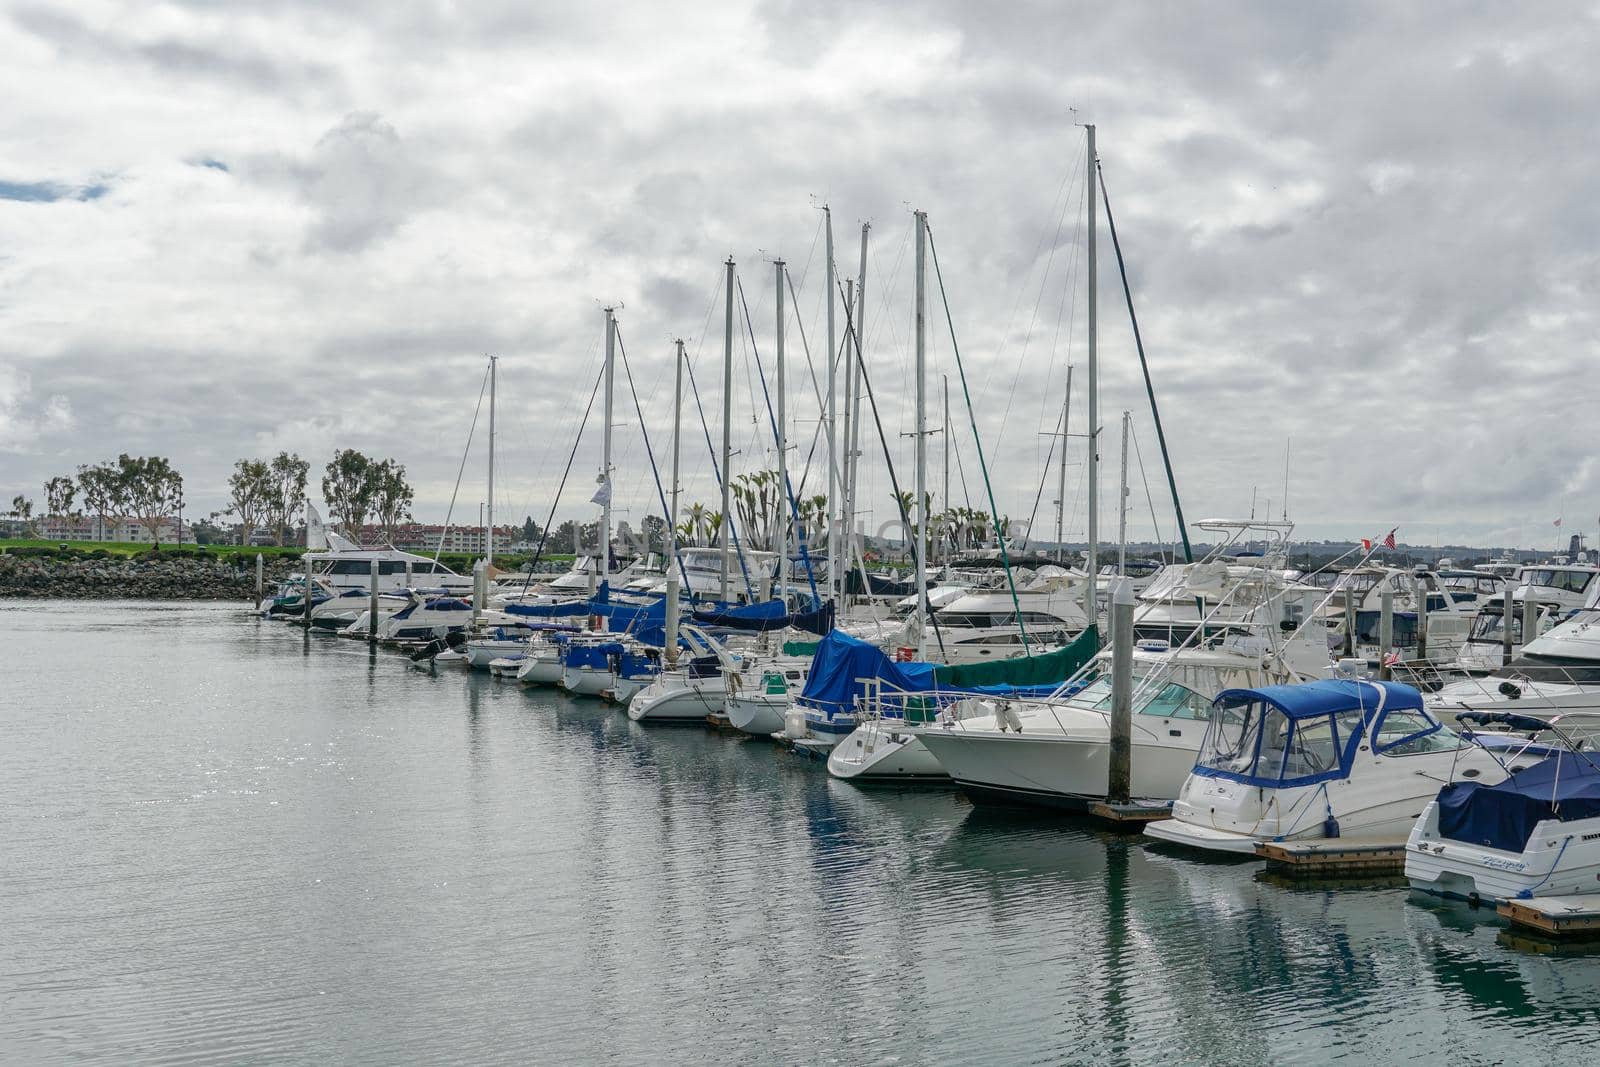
x,y
1571,918
1338,857
1133,816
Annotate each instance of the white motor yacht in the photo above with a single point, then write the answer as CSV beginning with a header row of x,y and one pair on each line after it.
x,y
425,617
1261,628
1330,758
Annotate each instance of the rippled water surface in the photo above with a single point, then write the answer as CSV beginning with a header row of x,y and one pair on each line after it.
x,y
219,842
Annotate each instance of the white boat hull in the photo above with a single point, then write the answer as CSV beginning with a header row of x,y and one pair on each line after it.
x,y
756,713
1052,770
540,670
583,682
1557,861
684,701
882,750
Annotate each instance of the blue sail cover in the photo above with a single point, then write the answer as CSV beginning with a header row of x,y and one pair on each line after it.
x,y
1503,815
844,666
765,615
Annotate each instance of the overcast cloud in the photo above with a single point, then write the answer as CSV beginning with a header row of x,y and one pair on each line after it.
x,y
1368,229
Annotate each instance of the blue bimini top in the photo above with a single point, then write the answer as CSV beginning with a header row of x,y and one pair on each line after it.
x,y
1502,816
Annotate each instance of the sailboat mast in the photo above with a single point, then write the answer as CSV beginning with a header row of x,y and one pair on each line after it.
x,y
1061,474
945,492
845,504
605,454
832,511
855,399
671,562
1091,600
488,529
783,436
727,430
921,546
1122,505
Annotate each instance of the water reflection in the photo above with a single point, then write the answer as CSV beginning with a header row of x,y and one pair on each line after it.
x,y
230,840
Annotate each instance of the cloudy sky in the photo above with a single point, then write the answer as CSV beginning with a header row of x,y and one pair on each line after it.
x,y
1363,234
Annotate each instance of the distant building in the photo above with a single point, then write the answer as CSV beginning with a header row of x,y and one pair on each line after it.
x,y
117,528
423,538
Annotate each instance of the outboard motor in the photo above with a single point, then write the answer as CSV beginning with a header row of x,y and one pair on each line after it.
x,y
453,642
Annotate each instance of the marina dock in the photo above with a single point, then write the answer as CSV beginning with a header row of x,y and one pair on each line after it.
x,y
1340,857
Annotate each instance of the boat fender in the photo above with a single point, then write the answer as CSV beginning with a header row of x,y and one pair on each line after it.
x,y
1330,827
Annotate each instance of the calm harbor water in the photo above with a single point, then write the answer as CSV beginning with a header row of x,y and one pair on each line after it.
x,y
221,842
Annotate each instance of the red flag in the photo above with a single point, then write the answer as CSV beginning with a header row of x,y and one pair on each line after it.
x,y
1366,544
1558,522
1388,542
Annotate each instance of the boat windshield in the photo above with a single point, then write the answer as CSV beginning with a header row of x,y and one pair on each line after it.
x,y
1170,701
1258,744
1567,580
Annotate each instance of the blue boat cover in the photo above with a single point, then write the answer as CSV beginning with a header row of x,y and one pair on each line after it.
x,y
1503,815
1309,700
844,665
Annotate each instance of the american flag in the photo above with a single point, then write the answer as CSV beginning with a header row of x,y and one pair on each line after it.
x,y
1388,542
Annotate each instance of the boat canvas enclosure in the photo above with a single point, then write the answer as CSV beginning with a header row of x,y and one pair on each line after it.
x,y
1294,735
1503,815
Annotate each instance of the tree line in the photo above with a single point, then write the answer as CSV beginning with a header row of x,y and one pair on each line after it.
x,y
263,493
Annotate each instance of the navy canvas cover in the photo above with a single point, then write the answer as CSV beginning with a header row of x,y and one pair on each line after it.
x,y
1503,815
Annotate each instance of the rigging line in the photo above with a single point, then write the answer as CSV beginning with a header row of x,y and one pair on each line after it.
x,y
1145,478
1069,289
482,389
1000,535
1144,365
544,534
727,520
1037,248
894,483
650,453
1044,477
779,438
1033,317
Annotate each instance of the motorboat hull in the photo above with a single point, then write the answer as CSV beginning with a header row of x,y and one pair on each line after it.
x,y
1051,770
482,652
1557,861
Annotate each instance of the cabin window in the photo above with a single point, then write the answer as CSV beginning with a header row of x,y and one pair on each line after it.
x,y
1309,749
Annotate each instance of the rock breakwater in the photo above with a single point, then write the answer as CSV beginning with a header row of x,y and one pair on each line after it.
x,y
145,577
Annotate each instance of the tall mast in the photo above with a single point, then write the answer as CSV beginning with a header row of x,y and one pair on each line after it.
x,y
945,494
1061,475
921,546
488,529
671,561
832,513
605,455
727,430
855,399
1091,604
845,503
1122,505
783,437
